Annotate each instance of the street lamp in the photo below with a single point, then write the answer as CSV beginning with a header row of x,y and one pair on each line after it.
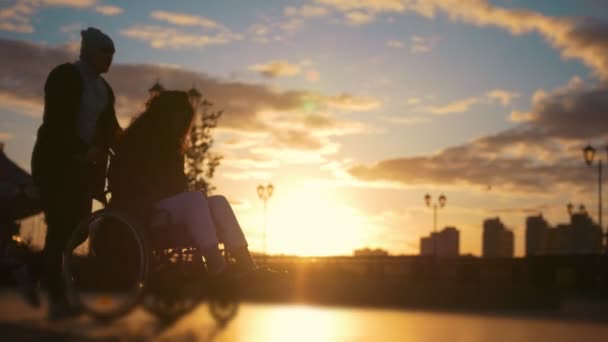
x,y
570,209
589,155
581,209
440,204
264,194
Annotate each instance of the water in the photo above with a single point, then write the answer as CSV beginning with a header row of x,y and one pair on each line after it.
x,y
303,323
268,323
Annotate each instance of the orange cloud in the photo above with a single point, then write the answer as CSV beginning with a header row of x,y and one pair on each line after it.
x,y
165,37
503,96
577,38
18,17
355,103
459,106
249,108
394,43
359,18
368,5
542,152
276,68
580,38
4,136
183,19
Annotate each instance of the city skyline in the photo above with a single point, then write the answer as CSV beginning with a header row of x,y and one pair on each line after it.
x,y
488,102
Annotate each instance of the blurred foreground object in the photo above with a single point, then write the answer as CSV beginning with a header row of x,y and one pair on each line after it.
x,y
18,196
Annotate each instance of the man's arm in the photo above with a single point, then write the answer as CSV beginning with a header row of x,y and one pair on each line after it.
x,y
61,103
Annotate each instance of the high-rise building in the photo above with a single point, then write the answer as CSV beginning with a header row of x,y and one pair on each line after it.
x,y
586,235
498,241
446,243
580,236
537,230
427,244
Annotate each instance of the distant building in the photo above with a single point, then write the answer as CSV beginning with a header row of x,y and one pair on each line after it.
x,y
537,231
498,241
426,244
580,236
446,241
366,252
586,236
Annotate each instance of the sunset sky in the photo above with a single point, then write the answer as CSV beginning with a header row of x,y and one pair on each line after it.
x,y
353,109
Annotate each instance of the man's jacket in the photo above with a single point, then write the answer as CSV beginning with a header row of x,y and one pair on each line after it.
x,y
58,156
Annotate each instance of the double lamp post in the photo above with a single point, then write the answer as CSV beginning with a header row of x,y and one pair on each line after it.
x,y
439,204
264,193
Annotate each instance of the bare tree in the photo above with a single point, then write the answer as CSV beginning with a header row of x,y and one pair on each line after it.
x,y
201,162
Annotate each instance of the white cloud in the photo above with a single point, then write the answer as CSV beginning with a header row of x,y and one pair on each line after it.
x,y
421,44
109,10
413,101
306,11
71,28
394,43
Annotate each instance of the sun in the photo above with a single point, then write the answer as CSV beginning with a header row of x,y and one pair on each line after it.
x,y
311,220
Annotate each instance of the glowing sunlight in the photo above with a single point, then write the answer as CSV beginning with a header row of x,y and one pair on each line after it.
x,y
310,220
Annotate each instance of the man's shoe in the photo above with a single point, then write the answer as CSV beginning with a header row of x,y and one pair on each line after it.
x,y
27,286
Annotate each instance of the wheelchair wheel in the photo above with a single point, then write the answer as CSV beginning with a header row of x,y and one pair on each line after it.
x,y
223,310
174,283
105,265
168,309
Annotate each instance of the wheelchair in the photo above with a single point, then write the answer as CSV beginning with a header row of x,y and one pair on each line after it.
x,y
114,262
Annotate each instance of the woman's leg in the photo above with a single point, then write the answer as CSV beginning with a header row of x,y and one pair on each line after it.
x,y
229,229
192,210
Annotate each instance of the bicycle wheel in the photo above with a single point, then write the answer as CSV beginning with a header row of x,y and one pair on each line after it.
x,y
105,265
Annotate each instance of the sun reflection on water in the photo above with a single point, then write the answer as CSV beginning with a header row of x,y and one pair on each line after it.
x,y
298,323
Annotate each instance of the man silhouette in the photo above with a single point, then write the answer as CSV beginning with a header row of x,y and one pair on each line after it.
x,y
70,155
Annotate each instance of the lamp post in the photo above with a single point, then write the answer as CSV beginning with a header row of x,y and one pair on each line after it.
x,y
440,204
264,194
589,155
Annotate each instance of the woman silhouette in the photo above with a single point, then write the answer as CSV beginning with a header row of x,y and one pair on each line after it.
x,y
147,172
